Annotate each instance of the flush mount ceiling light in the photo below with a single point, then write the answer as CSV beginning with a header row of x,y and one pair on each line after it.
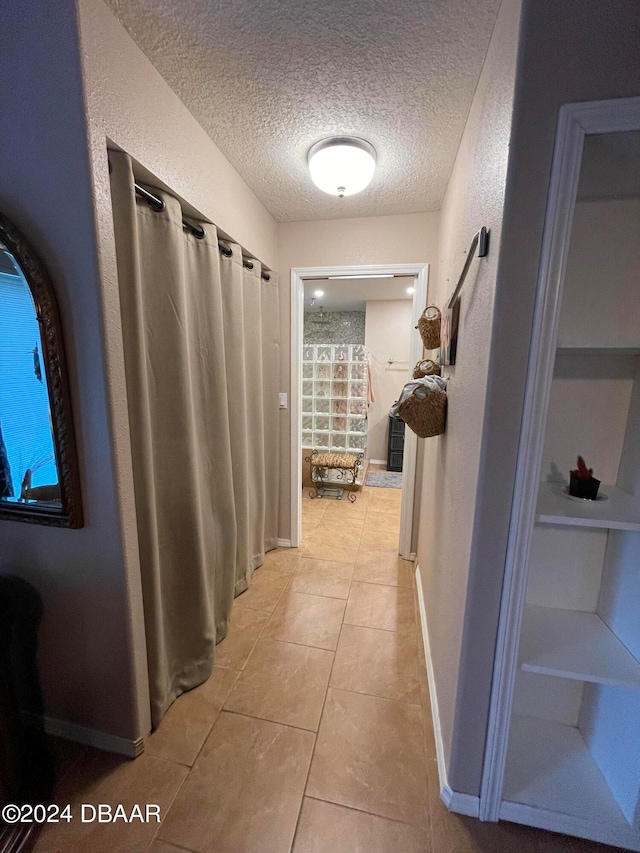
x,y
411,290
342,165
318,293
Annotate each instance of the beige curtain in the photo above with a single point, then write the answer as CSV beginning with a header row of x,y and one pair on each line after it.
x,y
201,416
270,317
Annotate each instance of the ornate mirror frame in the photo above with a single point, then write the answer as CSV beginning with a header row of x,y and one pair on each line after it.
x,y
69,514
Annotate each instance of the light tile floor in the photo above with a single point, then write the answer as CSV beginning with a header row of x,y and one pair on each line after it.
x,y
314,733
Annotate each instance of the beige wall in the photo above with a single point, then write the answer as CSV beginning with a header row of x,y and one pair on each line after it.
x,y
475,197
412,238
85,652
387,335
54,185
576,51
591,51
130,104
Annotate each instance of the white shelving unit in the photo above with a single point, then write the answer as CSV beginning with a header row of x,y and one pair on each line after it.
x,y
573,751
334,397
621,511
579,624
551,768
574,644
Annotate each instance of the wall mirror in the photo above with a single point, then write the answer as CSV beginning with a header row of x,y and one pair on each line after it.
x,y
39,480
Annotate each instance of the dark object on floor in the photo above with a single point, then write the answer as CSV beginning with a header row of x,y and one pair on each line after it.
x,y
384,479
26,775
395,446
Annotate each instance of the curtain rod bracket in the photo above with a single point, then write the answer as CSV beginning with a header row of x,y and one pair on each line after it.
x,y
156,202
153,201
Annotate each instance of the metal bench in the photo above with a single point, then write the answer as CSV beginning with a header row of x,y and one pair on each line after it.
x,y
344,466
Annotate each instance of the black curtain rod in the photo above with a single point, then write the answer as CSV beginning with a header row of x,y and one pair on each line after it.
x,y
157,204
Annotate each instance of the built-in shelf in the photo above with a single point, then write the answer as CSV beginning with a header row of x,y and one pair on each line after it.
x,y
600,351
577,645
550,767
620,512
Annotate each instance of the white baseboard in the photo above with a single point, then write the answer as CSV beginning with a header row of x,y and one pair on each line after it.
x,y
455,801
459,803
90,737
284,543
377,461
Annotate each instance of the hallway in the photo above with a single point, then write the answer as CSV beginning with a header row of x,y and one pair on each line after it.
x,y
314,727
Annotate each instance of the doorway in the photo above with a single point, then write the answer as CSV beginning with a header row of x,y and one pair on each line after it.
x,y
419,300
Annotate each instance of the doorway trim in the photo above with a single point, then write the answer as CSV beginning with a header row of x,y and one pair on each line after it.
x,y
298,275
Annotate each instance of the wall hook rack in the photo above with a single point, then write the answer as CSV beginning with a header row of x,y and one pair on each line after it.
x,y
481,240
451,313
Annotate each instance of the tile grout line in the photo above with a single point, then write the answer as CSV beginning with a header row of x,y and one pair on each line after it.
x,y
419,706
267,613
373,814
197,756
315,742
382,699
206,738
156,834
262,630
268,720
334,651
172,844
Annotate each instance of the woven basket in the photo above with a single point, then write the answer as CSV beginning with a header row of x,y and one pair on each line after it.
x,y
426,417
427,367
429,327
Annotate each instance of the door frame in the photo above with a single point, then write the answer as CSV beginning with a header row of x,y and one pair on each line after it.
x,y
575,121
298,275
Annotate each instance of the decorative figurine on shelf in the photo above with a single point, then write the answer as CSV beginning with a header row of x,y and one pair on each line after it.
x,y
582,483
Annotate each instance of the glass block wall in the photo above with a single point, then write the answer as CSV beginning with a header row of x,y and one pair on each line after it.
x,y
334,397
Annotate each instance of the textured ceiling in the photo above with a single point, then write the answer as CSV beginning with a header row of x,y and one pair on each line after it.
x,y
268,78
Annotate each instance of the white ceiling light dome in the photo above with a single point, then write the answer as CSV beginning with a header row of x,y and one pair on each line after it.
x,y
342,165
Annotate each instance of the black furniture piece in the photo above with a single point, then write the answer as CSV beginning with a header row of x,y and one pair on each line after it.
x,y
26,775
395,447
